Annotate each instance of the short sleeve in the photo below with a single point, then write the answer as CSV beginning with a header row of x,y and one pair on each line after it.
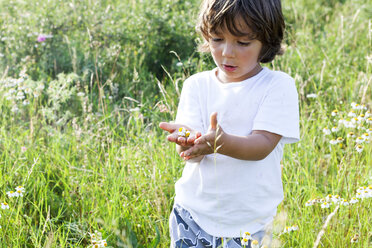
x,y
189,111
279,112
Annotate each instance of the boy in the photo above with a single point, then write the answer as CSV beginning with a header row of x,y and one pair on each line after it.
x,y
240,116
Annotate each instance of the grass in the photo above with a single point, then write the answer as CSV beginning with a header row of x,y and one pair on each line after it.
x,y
86,147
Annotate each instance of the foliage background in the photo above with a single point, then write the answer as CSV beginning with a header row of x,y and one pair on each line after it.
x,y
79,116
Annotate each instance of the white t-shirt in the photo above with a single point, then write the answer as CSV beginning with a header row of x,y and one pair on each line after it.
x,y
228,196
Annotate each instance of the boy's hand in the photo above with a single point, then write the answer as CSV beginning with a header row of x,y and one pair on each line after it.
x,y
206,144
173,128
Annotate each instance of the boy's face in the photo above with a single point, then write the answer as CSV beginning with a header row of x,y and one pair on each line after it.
x,y
236,57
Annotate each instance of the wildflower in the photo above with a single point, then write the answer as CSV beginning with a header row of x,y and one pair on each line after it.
x,y
367,114
287,229
4,205
336,198
23,149
340,139
255,244
351,114
325,205
359,148
353,200
359,140
333,142
334,112
179,64
11,194
329,198
369,120
182,132
326,131
309,203
312,95
334,129
247,235
369,130
366,136
244,241
294,228
351,135
344,202
80,94
361,117
41,38
355,238
355,120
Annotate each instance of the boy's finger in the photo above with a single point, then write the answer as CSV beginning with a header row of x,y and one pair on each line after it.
x,y
170,127
213,121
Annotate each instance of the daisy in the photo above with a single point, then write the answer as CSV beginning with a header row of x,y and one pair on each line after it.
x,y
366,137
353,200
325,205
326,131
334,129
255,244
336,198
359,140
369,130
247,235
11,194
294,228
309,203
351,114
4,205
182,132
351,135
369,120
333,142
244,241
334,112
344,202
359,148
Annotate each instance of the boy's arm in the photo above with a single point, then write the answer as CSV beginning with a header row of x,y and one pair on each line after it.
x,y
252,147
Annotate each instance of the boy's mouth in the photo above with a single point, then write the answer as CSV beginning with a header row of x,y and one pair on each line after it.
x,y
229,67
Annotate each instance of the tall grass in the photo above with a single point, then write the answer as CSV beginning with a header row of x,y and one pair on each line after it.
x,y
79,116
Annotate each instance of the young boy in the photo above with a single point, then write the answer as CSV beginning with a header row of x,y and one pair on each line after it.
x,y
240,115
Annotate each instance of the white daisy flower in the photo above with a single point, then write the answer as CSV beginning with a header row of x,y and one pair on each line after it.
x,y
334,112
309,203
366,136
369,130
4,205
325,205
359,148
247,235
336,198
334,129
294,228
367,114
329,198
255,244
344,202
354,239
182,132
351,135
354,105
353,200
351,114
333,142
326,131
359,140
11,194
369,120
244,241
355,120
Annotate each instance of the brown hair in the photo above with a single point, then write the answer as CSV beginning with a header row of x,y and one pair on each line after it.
x,y
263,17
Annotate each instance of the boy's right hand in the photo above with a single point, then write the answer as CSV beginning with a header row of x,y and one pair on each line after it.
x,y
173,128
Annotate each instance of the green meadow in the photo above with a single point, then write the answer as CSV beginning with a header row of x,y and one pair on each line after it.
x,y
84,85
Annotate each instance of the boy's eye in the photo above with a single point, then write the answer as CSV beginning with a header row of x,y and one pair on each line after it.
x,y
244,43
216,39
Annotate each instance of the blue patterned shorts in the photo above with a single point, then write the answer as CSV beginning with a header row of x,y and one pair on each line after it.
x,y
185,233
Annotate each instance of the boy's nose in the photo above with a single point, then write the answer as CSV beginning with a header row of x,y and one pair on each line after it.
x,y
228,50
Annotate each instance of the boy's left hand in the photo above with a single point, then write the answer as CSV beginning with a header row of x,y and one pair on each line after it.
x,y
206,144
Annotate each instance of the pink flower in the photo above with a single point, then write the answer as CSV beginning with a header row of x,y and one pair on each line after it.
x,y
41,38
23,149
